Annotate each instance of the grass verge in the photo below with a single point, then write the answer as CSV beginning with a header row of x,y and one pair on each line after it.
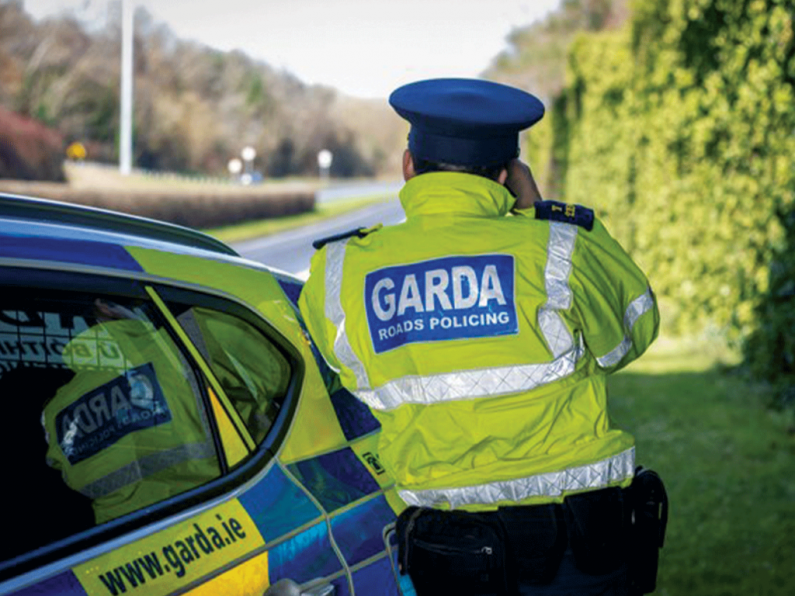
x,y
727,462
265,227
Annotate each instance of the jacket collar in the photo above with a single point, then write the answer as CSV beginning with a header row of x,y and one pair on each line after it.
x,y
454,193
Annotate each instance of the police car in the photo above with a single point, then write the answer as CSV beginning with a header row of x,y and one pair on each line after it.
x,y
168,426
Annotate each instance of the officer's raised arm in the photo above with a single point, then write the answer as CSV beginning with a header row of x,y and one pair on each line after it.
x,y
614,300
521,184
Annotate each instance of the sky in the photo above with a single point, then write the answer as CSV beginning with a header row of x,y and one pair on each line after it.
x,y
364,48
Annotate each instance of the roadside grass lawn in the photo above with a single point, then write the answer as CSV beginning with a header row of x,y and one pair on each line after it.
x,y
727,462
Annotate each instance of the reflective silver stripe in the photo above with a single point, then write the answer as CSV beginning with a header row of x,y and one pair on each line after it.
x,y
615,355
560,248
552,484
640,305
636,308
335,258
146,466
555,331
468,384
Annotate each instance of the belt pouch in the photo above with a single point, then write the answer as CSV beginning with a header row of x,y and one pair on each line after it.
x,y
597,530
535,541
451,552
649,518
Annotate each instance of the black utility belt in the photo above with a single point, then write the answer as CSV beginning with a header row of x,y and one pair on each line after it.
x,y
460,552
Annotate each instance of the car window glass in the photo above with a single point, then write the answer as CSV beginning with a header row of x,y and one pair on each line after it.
x,y
252,371
104,413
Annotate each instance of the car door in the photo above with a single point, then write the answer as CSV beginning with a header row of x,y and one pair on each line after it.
x,y
234,524
243,356
353,488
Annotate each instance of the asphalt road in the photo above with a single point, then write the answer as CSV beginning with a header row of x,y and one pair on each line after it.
x,y
348,190
292,250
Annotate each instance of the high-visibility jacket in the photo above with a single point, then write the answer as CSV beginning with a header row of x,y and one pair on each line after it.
x,y
128,430
482,341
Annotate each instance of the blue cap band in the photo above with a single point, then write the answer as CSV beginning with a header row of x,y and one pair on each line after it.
x,y
463,152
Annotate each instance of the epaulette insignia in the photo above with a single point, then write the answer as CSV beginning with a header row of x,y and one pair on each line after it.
x,y
572,214
358,232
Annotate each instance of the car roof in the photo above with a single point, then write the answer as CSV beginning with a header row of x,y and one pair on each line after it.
x,y
28,216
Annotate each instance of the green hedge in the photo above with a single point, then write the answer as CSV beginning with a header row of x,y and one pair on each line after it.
x,y
769,350
680,130
198,207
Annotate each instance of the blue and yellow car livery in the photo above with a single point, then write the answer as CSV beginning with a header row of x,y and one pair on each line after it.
x,y
309,502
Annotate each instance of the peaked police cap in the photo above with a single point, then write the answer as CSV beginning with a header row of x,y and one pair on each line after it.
x,y
467,122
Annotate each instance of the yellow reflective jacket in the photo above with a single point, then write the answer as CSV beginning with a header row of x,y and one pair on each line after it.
x,y
481,342
127,431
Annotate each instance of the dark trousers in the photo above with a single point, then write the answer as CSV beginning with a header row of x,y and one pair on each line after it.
x,y
570,581
578,547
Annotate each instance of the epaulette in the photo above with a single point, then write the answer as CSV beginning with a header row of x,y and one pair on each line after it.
x,y
571,214
358,232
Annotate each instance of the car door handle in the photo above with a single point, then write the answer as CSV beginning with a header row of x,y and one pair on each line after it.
x,y
287,587
322,590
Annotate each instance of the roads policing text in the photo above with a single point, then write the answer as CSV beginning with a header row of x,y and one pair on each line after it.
x,y
441,299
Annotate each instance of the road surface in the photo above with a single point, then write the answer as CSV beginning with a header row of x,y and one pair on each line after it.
x,y
347,190
292,250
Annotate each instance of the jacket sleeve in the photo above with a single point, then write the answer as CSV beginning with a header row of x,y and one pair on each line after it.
x,y
613,304
312,303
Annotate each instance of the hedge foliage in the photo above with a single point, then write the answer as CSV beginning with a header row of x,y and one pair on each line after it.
x,y
196,208
679,129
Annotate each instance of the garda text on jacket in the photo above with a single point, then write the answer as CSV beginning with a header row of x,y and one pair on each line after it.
x,y
450,298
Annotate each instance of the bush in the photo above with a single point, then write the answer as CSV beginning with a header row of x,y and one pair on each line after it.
x,y
678,130
192,208
28,149
769,352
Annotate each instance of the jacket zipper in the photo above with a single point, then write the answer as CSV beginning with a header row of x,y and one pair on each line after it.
x,y
484,550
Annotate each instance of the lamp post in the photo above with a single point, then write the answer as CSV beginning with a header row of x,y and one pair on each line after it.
x,y
235,166
324,159
125,120
248,154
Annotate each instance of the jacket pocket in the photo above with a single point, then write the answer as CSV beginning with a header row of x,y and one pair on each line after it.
x,y
449,552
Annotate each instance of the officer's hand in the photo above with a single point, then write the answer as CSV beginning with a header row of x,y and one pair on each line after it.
x,y
522,185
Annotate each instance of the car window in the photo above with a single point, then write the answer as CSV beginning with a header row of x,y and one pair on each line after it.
x,y
252,371
104,414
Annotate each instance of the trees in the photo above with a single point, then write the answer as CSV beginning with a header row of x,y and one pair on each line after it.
x,y
195,107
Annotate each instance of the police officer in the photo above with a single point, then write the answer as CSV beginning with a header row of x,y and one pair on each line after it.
x,y
480,333
128,430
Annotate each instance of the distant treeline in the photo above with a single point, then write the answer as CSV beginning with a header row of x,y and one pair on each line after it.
x,y
195,107
678,127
